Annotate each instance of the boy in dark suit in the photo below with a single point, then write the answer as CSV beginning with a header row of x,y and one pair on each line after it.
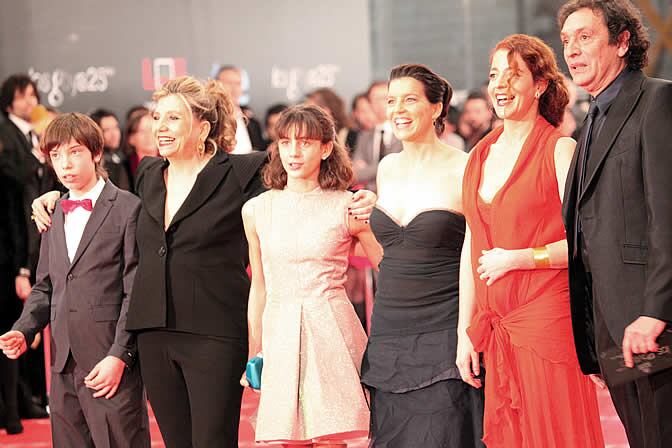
x,y
85,274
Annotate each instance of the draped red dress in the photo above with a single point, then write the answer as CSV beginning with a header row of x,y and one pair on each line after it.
x,y
535,393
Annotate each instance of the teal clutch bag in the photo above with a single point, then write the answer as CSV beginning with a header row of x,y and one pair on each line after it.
x,y
253,371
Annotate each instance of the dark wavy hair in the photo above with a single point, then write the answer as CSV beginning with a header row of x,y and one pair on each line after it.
x,y
437,89
12,85
540,60
311,122
619,16
98,115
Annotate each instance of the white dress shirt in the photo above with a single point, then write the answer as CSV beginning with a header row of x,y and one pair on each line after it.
x,y
243,142
76,220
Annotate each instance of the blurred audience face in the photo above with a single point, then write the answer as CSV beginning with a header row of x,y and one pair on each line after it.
x,y
378,100
333,104
512,89
136,110
363,114
23,103
476,115
111,132
571,90
409,110
143,140
463,128
270,126
484,91
232,81
314,100
568,125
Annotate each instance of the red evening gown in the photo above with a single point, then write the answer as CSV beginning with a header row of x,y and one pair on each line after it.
x,y
535,393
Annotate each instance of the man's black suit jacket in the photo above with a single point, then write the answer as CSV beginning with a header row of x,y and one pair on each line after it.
x,y
31,177
626,215
256,134
12,250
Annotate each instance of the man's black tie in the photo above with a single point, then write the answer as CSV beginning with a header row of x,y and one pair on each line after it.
x,y
382,148
29,137
585,142
584,148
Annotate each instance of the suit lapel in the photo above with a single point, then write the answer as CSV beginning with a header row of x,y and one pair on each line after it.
x,y
569,199
58,236
21,138
98,215
206,183
618,114
154,194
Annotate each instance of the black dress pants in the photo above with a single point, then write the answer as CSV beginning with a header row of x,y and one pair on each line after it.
x,y
192,383
10,310
645,405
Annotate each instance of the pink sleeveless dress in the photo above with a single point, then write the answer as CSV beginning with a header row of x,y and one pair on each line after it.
x,y
312,340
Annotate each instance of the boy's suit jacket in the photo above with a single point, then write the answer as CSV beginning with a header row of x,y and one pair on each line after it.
x,y
86,301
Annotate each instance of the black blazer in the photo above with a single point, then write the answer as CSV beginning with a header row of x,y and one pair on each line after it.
x,y
626,216
192,276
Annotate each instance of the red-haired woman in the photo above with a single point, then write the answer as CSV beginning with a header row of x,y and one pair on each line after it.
x,y
514,288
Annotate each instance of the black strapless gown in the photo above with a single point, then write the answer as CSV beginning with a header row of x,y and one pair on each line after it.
x,y
418,397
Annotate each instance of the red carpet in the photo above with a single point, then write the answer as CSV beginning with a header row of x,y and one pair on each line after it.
x,y
36,434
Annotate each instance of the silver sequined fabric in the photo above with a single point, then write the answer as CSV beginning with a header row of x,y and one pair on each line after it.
x,y
312,340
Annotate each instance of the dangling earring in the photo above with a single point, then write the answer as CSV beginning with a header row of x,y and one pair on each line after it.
x,y
536,95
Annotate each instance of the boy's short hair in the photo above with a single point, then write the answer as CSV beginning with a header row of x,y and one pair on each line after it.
x,y
75,126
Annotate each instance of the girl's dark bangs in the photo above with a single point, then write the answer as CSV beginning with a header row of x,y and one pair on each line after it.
x,y
299,124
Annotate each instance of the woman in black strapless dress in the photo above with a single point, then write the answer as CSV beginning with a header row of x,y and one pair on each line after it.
x,y
418,398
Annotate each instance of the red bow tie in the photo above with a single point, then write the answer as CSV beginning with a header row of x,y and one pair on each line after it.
x,y
69,205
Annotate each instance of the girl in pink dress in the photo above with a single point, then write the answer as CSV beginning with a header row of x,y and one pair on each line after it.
x,y
300,234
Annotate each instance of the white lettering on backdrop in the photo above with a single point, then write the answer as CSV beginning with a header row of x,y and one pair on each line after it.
x,y
296,81
59,83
